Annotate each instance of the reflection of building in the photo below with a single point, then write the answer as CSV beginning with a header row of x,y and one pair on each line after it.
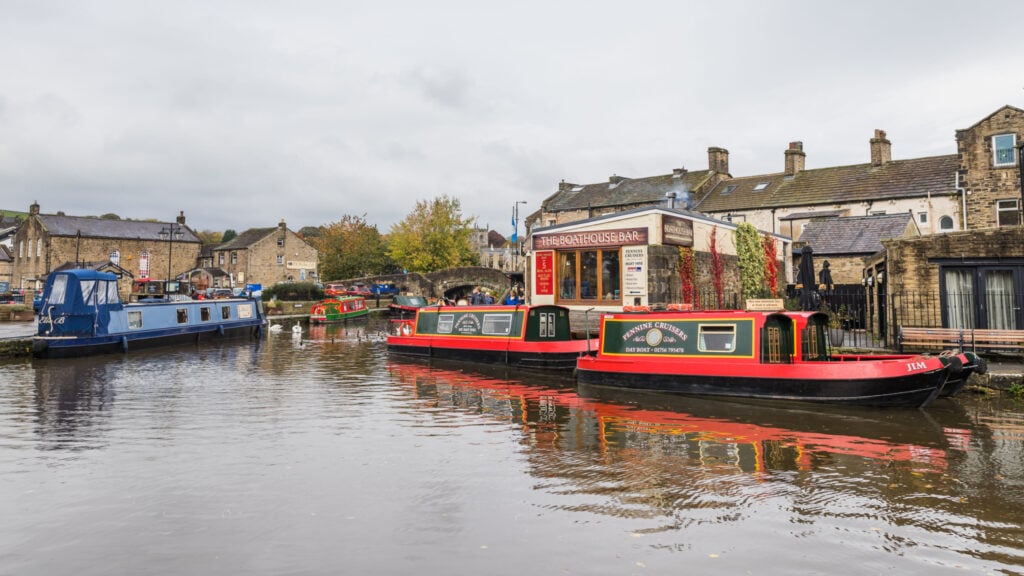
x,y
47,241
267,256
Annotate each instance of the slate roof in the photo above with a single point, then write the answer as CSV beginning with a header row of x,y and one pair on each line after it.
x,y
623,192
102,228
246,239
836,185
853,234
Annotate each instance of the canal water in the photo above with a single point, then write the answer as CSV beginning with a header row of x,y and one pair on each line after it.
x,y
319,454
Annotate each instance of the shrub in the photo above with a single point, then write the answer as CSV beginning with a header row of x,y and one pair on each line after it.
x,y
294,291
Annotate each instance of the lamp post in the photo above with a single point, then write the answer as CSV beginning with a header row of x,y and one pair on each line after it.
x,y
515,234
171,232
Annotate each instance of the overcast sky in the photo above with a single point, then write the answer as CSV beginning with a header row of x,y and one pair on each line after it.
x,y
244,113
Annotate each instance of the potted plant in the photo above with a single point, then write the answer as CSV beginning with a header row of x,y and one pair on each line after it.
x,y
838,319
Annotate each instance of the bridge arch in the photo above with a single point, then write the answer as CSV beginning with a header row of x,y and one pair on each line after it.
x,y
450,283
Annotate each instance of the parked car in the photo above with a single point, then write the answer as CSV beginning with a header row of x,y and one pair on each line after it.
x,y
359,289
335,289
384,289
37,300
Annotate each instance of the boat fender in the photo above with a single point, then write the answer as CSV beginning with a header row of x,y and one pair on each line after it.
x,y
981,363
956,365
124,343
220,329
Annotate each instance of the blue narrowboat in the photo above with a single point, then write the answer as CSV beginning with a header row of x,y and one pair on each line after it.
x,y
82,314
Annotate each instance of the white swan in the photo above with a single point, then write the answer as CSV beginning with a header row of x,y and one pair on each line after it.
x,y
275,327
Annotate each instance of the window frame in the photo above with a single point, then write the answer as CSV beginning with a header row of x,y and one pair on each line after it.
x,y
1015,210
577,277
952,223
1012,162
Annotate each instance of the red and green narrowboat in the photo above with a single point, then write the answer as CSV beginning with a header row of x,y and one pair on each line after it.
x,y
338,309
771,355
521,336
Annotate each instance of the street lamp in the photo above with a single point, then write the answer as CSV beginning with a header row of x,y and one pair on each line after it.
x,y
515,233
171,232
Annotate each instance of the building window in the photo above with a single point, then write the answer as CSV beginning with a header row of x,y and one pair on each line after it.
x,y
220,258
946,223
760,186
280,260
589,275
234,257
1004,148
30,248
280,242
39,248
1007,213
878,212
115,257
922,217
21,249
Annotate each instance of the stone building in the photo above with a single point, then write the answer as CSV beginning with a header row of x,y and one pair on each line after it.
x,y
157,250
267,256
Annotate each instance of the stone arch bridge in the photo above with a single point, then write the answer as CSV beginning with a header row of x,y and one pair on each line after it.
x,y
451,283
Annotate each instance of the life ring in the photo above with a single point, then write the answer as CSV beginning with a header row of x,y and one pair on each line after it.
x,y
405,330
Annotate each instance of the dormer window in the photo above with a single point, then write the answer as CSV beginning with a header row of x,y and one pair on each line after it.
x,y
1004,148
760,186
728,189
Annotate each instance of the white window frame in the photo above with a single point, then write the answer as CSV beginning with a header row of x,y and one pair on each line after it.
x,y
1013,151
1008,205
922,217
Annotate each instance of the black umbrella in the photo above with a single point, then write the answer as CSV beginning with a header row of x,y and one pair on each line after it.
x,y
808,295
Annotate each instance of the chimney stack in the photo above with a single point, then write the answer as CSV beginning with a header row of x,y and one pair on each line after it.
x,y
881,149
181,217
33,209
718,160
282,225
795,158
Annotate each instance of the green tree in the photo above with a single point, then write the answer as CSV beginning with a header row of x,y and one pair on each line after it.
x,y
350,248
209,237
229,235
434,236
750,252
308,232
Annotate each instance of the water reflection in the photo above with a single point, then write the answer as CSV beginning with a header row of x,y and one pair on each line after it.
x,y
917,480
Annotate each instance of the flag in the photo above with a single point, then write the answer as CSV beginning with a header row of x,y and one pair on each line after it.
x,y
515,231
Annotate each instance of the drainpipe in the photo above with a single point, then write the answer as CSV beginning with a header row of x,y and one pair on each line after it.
x,y
963,202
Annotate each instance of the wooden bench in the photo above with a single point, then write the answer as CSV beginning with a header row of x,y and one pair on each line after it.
x,y
962,339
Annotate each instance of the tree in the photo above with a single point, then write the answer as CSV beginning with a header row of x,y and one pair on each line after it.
x,y
209,237
110,216
309,232
229,235
350,248
434,236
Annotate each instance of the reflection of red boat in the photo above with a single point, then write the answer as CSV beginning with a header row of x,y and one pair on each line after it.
x,y
828,429
523,336
770,355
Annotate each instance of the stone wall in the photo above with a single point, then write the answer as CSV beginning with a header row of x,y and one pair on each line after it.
x,y
984,182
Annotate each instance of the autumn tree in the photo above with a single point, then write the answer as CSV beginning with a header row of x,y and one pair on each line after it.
x,y
434,236
209,237
350,248
229,235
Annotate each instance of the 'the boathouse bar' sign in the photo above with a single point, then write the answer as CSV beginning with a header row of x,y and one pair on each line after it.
x,y
590,239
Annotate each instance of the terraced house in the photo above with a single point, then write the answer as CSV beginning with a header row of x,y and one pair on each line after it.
x,y
946,228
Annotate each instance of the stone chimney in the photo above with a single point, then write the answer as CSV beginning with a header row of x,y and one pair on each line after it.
x,y
881,149
615,179
33,210
181,217
718,160
565,186
795,158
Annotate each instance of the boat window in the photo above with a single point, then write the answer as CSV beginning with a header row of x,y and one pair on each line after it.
x,y
182,315
545,320
57,291
88,288
113,297
245,310
204,313
135,320
225,312
717,338
497,324
445,323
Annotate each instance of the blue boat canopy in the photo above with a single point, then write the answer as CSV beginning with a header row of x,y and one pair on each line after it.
x,y
78,302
